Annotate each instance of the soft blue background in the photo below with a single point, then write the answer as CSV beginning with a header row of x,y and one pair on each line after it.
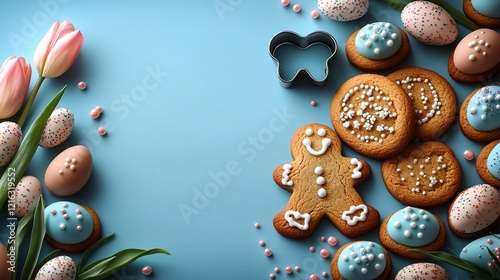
x,y
190,93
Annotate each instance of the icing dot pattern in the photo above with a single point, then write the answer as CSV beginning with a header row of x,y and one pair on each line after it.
x,y
428,174
378,41
362,260
413,227
68,223
483,109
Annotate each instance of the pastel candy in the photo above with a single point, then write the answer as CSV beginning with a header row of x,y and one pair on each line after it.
x,y
362,260
378,41
483,109
413,227
493,161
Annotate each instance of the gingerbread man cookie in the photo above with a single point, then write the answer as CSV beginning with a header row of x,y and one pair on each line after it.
x,y
322,183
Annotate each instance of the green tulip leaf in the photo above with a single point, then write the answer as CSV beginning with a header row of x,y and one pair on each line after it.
x,y
86,254
37,235
22,228
94,270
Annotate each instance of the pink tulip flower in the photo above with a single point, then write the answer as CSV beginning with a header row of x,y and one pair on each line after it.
x,y
58,49
15,76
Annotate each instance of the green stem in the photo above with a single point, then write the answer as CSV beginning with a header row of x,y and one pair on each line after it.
x,y
31,98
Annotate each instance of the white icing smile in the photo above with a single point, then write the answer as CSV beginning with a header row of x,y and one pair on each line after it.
x,y
290,215
325,142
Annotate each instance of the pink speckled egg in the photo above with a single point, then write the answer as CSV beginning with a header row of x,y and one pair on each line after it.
x,y
477,52
343,10
10,139
58,268
69,171
5,264
58,128
422,271
475,211
429,23
28,191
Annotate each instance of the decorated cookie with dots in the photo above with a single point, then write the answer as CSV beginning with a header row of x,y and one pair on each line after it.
x,y
412,228
373,115
423,175
343,10
71,227
475,211
488,163
484,13
377,46
476,58
361,260
478,252
479,115
433,99
322,183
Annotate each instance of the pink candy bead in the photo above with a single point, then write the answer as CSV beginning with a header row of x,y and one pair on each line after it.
x,y
257,225
312,249
272,276
288,270
314,277
313,103
277,269
147,270
324,253
262,243
285,3
314,14
325,274
96,112
102,131
82,85
468,155
297,268
268,252
332,240
296,8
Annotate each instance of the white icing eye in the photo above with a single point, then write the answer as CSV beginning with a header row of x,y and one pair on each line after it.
x,y
321,132
309,132
306,142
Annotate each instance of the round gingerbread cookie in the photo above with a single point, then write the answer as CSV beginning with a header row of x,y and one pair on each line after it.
x,y
488,163
71,227
377,46
423,175
412,228
361,260
479,115
483,12
433,98
373,115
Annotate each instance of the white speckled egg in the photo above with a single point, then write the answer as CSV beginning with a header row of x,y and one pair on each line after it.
x,y
28,191
10,139
58,128
58,268
69,171
423,271
475,210
429,23
5,273
343,10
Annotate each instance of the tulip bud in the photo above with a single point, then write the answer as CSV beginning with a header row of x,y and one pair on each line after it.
x,y
58,49
15,76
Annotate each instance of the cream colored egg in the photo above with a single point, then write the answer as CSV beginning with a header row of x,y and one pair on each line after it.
x,y
58,268
5,264
422,271
69,171
10,139
429,23
343,10
28,191
58,128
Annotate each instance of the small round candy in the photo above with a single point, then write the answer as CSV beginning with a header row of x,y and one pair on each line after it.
x,y
277,269
297,268
288,270
257,225
262,243
296,8
285,3
82,85
325,274
147,270
313,103
322,238
312,249
324,253
268,252
102,131
314,277
468,155
314,14
272,276
94,114
332,240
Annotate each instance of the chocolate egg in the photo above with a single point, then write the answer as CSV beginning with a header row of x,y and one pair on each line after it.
x,y
10,139
475,211
28,191
343,10
58,128
5,265
58,268
69,171
477,253
429,23
477,52
422,271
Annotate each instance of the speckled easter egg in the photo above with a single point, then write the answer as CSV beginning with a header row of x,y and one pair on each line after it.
x,y
429,23
28,191
5,273
477,52
475,211
10,139
69,171
58,128
58,268
343,10
422,271
476,252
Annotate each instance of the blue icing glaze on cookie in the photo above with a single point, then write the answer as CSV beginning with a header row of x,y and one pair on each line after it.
x,y
493,161
68,222
476,252
378,41
483,109
489,8
362,260
413,227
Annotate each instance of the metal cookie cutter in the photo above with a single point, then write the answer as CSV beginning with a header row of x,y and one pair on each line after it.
x,y
302,42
